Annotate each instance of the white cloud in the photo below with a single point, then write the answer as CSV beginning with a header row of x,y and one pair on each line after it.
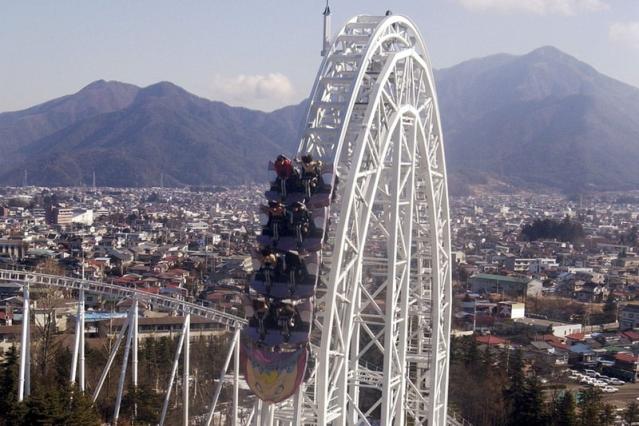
x,y
537,7
625,33
267,91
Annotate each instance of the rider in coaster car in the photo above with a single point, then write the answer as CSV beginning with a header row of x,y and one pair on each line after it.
x,y
285,173
261,308
300,219
294,268
286,319
276,216
269,265
311,173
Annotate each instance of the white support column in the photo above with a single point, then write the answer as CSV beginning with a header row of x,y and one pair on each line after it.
x,y
298,400
176,361
267,415
235,344
27,378
114,351
185,376
76,346
81,345
24,345
236,379
125,361
257,410
134,348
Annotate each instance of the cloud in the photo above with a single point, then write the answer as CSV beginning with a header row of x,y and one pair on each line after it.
x,y
266,91
537,7
625,33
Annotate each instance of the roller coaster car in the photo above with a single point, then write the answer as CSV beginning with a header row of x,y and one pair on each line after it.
x,y
287,236
294,189
285,325
317,200
296,282
273,376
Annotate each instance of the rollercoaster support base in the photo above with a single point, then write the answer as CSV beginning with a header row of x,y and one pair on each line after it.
x,y
236,377
114,351
24,380
176,361
233,349
125,361
134,349
78,349
186,374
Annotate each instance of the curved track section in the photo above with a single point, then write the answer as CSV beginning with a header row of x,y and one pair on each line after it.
x,y
382,314
119,292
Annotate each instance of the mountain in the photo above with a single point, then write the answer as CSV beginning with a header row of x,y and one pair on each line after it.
x,y
543,120
20,128
163,130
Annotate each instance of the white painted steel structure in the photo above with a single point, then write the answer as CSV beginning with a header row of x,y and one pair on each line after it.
x,y
381,331
383,319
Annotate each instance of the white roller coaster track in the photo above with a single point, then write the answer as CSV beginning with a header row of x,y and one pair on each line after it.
x,y
118,292
384,309
380,350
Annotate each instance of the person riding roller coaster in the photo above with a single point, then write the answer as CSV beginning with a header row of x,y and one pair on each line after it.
x,y
270,262
286,315
311,174
300,221
276,219
294,268
261,310
287,175
281,267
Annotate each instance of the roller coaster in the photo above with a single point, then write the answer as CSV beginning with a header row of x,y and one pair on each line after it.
x,y
348,314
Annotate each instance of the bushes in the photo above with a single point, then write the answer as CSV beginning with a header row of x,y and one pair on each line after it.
x,y
566,230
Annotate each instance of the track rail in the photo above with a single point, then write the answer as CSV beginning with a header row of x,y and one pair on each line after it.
x,y
68,283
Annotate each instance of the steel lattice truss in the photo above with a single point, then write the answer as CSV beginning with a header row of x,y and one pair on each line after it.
x,y
381,331
383,320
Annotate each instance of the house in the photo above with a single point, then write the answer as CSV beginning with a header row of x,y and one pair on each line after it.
x,y
627,363
558,328
629,317
491,340
511,286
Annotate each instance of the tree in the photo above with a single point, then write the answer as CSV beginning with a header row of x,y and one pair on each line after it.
x,y
566,230
631,413
590,407
82,411
10,410
45,407
144,401
565,414
610,310
607,415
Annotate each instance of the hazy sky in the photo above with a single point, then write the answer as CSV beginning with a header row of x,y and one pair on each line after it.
x,y
265,53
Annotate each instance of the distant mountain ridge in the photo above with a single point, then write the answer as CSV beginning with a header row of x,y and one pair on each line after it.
x,y
543,120
22,127
165,130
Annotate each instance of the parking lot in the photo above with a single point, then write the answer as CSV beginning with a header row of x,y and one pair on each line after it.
x,y
625,393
